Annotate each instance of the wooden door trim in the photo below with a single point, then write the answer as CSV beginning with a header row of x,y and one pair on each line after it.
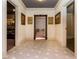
x,y
35,25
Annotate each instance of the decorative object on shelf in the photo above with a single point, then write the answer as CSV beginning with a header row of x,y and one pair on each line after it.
x,y
50,20
58,18
22,19
30,20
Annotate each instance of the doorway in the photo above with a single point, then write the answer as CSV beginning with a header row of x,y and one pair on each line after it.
x,y
70,27
40,27
10,26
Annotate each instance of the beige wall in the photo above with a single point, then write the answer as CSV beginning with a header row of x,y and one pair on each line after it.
x,y
40,11
4,42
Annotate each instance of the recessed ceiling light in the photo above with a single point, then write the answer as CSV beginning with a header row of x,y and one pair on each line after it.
x,y
40,0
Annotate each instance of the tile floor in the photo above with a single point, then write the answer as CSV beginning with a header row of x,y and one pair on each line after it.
x,y
40,49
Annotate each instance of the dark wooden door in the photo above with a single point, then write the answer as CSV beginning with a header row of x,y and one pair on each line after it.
x,y
10,26
70,27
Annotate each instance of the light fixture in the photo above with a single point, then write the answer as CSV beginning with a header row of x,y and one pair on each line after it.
x,y
40,0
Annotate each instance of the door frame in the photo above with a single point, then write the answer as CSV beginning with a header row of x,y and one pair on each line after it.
x,y
73,23
35,25
16,22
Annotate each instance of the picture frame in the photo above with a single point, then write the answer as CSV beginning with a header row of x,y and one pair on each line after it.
x,y
22,19
30,20
50,20
58,18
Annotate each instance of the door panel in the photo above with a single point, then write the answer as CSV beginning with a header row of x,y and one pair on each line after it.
x,y
10,26
70,27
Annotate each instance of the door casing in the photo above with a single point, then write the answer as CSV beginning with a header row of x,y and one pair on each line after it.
x,y
35,25
15,21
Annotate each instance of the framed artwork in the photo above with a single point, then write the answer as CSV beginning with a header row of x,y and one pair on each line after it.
x,y
50,20
22,19
30,20
58,18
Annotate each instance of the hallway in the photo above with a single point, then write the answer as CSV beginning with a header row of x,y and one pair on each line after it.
x,y
54,29
40,49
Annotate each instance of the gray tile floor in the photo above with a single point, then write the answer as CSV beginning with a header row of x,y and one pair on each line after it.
x,y
40,49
